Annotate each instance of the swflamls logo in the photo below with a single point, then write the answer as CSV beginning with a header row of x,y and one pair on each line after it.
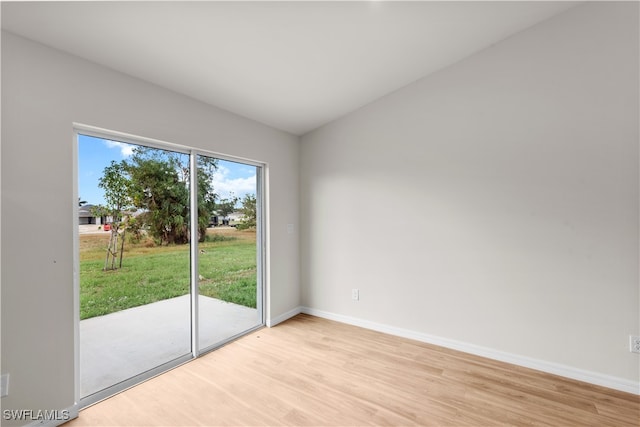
x,y
36,415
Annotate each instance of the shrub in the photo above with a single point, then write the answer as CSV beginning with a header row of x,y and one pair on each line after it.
x,y
219,238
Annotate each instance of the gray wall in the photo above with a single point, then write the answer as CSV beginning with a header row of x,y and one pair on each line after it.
x,y
43,92
512,183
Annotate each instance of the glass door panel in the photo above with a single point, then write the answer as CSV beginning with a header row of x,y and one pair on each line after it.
x,y
134,260
229,283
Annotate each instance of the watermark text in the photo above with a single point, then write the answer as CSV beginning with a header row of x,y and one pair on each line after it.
x,y
36,415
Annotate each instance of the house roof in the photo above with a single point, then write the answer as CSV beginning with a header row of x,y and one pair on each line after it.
x,y
85,211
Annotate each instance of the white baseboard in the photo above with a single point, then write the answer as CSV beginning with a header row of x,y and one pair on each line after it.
x,y
527,362
285,316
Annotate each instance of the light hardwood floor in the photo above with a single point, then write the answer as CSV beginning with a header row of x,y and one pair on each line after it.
x,y
311,371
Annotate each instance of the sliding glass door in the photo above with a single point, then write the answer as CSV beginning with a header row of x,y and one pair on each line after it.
x,y
168,256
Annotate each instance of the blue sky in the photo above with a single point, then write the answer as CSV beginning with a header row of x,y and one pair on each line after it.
x,y
94,154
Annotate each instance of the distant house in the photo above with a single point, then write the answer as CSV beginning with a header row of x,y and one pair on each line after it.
x,y
86,217
235,217
231,219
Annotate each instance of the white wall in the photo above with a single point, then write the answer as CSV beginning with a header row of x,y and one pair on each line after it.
x,y
43,92
514,175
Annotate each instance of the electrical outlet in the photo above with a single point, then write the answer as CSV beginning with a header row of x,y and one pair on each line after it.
x,y
634,344
355,294
4,385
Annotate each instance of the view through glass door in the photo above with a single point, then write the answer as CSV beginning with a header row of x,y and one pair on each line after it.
x,y
228,263
137,313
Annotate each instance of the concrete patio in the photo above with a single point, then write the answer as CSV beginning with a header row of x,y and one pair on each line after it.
x,y
119,345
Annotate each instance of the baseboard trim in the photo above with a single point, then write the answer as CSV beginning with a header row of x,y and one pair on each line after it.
x,y
595,378
285,316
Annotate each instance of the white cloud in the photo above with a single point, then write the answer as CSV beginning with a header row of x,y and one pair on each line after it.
x,y
225,186
125,149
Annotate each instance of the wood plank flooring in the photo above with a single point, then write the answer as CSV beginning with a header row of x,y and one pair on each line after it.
x,y
309,371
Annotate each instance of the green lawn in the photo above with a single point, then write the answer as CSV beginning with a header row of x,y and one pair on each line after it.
x,y
227,269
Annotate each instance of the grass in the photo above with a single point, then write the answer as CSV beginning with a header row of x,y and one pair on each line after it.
x,y
227,269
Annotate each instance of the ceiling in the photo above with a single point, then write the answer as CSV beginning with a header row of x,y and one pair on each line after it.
x,y
291,65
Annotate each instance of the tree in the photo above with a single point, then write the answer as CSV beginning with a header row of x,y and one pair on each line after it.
x,y
206,195
226,206
249,212
158,185
116,185
160,182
